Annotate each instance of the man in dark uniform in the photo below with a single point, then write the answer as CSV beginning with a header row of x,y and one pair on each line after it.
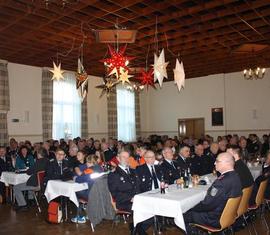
x,y
123,184
210,158
183,158
149,174
198,164
240,167
108,153
58,167
228,185
171,170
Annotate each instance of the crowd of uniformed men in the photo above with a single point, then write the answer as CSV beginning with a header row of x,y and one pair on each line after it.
x,y
142,166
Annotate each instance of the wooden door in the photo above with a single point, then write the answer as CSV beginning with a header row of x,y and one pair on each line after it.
x,y
191,127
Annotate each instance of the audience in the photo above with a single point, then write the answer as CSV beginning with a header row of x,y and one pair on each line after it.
x,y
141,166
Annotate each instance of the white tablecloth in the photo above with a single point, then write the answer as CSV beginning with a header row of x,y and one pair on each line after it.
x,y
255,171
172,204
56,188
11,178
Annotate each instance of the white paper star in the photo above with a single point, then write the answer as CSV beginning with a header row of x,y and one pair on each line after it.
x,y
160,66
57,72
179,75
115,72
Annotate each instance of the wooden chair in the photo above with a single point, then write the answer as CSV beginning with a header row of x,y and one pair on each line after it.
x,y
259,203
227,218
244,204
40,178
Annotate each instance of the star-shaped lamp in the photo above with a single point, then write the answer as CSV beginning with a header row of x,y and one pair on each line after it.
x,y
57,72
107,86
146,78
160,68
179,75
117,60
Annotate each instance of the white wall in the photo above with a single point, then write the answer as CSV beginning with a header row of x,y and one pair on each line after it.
x,y
97,110
245,105
25,96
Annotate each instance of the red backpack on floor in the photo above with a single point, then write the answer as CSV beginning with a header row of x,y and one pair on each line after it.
x,y
54,213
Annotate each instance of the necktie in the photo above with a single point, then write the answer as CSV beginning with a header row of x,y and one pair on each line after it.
x,y
154,177
173,164
127,170
61,168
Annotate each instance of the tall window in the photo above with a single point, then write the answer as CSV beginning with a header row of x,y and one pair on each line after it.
x,y
66,108
126,125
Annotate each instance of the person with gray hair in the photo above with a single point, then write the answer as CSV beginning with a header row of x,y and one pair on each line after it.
x,y
72,157
227,185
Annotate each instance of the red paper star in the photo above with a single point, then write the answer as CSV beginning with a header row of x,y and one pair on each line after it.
x,y
147,78
118,60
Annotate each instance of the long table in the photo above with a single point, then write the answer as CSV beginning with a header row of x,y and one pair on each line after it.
x,y
172,204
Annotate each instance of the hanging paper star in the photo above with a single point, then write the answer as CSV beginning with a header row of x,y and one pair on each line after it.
x,y
107,86
179,75
81,74
81,80
160,66
57,72
146,78
117,60
124,77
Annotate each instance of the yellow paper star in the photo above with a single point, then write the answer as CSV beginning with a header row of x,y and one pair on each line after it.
x,y
57,72
124,77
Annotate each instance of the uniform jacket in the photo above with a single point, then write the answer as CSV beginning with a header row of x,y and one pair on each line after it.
x,y
123,187
145,177
226,186
170,173
54,171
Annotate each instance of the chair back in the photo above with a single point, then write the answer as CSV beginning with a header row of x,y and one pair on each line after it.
x,y
260,194
229,213
40,178
113,203
244,203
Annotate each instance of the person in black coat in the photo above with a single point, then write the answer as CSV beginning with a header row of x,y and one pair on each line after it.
x,y
3,167
183,159
240,167
149,174
58,168
123,185
228,185
171,170
108,153
41,164
198,163
265,175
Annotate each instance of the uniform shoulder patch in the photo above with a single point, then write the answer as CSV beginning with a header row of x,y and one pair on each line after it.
x,y
213,191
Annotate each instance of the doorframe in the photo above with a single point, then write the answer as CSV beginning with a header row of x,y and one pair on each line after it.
x,y
184,119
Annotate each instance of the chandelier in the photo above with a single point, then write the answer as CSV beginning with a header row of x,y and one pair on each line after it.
x,y
254,73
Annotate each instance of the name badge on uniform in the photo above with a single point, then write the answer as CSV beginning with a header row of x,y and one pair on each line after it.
x,y
213,191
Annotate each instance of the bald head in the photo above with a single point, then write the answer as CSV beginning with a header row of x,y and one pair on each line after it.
x,y
224,162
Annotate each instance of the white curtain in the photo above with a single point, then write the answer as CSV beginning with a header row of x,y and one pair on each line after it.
x,y
66,108
126,125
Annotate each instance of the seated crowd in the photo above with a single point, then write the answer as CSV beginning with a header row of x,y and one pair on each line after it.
x,y
141,166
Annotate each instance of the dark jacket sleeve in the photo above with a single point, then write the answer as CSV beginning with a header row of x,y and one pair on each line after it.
x,y
215,195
